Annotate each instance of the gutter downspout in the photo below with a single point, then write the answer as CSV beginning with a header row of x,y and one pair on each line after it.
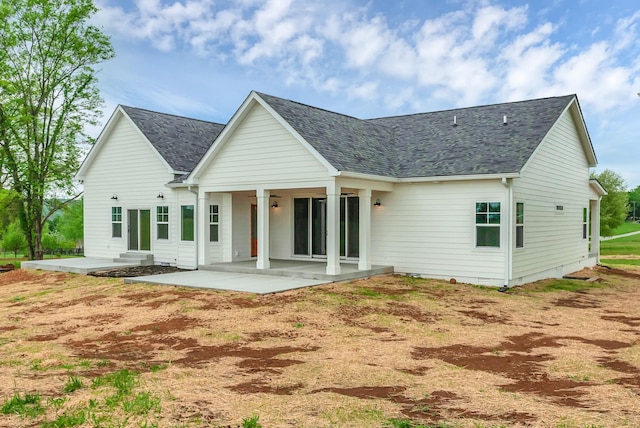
x,y
195,223
507,183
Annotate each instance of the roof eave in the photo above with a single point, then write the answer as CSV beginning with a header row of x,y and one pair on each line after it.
x,y
595,185
466,177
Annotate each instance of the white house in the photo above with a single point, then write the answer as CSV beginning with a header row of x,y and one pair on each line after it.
x,y
495,195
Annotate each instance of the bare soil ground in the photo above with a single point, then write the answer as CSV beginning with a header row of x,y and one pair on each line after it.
x,y
355,354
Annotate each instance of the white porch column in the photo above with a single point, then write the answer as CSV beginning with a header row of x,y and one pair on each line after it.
x,y
262,197
594,206
333,229
364,262
226,227
201,228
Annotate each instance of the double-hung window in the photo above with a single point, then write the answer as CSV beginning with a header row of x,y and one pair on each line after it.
x,y
488,224
187,224
585,223
116,222
519,224
162,222
214,223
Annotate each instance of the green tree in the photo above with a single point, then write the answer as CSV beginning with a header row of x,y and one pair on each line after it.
x,y
48,93
9,207
614,207
634,203
13,239
71,222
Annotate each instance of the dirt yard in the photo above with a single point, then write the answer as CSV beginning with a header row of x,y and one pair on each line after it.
x,y
389,351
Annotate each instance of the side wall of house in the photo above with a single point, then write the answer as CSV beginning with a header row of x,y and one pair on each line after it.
x,y
429,229
555,190
128,168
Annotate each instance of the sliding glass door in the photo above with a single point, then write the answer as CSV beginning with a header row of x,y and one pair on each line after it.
x,y
310,227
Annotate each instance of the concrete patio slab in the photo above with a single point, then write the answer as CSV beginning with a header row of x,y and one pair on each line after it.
x,y
82,265
229,281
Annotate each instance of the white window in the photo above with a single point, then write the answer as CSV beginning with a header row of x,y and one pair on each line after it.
x,y
488,224
162,222
585,223
519,224
214,223
187,224
116,222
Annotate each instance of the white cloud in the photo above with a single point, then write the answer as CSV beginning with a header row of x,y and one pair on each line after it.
x,y
481,53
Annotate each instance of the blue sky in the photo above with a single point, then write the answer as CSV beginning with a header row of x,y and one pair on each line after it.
x,y
201,58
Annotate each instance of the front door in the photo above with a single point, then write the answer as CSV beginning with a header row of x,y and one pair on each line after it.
x,y
139,230
254,230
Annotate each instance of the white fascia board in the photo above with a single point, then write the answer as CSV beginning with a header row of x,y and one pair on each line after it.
x,y
459,178
93,152
595,184
434,179
220,140
576,113
363,176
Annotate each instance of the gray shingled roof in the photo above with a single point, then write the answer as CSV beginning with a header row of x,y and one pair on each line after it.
x,y
179,140
427,144
347,143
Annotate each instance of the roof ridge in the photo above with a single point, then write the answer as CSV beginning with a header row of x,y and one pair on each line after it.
x,y
472,107
171,114
310,106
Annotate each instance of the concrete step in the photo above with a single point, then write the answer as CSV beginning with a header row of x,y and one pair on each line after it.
x,y
135,258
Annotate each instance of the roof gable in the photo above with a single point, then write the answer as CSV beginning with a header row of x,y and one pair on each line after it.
x,y
347,143
237,120
179,140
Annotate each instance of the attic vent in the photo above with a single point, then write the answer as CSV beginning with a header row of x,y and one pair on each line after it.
x,y
455,120
504,119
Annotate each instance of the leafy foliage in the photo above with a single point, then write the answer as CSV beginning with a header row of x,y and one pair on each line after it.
x,y
48,93
13,239
634,203
71,222
614,206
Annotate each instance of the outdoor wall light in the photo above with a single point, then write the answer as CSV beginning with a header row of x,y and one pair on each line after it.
x,y
274,204
160,195
114,197
377,203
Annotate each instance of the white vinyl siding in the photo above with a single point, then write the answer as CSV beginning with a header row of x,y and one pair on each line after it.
x,y
429,229
136,179
555,188
262,150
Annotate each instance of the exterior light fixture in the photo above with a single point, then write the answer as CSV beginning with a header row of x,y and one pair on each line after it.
x,y
377,203
114,197
160,195
274,204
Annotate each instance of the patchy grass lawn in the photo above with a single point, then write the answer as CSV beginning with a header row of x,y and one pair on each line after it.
x,y
626,246
626,227
390,351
